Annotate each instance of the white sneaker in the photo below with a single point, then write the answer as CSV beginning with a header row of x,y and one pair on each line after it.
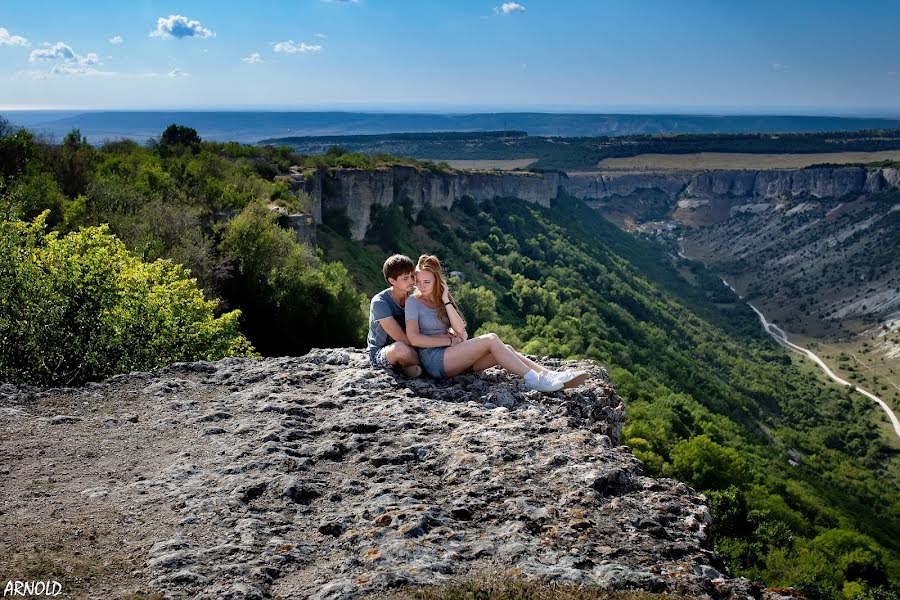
x,y
541,383
569,379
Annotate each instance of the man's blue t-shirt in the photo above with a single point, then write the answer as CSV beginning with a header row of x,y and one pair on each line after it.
x,y
383,306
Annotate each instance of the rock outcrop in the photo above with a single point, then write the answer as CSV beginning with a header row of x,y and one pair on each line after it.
x,y
319,477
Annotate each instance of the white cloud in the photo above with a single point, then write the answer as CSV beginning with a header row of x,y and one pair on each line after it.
x,y
115,41
58,51
320,36
178,26
777,67
69,68
178,74
253,59
290,47
508,8
6,39
68,61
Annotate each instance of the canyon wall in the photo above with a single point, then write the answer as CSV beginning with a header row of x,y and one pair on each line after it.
x,y
692,196
353,192
709,196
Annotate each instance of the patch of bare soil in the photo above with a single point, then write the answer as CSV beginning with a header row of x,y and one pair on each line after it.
x,y
60,517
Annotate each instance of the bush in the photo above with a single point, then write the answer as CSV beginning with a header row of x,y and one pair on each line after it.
x,y
706,465
478,305
179,136
729,511
80,307
291,301
38,191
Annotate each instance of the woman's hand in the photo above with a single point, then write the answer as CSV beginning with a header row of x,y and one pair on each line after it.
x,y
445,293
455,340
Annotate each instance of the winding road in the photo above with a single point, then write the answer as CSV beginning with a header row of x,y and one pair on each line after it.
x,y
781,337
778,333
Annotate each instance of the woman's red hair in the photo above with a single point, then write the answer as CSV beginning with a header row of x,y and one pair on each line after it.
x,y
430,263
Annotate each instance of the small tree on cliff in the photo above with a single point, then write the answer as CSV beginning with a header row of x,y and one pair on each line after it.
x,y
176,139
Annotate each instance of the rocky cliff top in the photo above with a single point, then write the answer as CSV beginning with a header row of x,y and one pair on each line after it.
x,y
320,477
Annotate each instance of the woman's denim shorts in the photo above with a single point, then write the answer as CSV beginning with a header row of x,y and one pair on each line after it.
x,y
432,360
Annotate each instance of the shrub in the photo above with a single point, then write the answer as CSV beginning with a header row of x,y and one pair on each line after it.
x,y
292,302
179,135
478,305
706,465
80,307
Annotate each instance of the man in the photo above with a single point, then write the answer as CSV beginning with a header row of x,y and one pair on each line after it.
x,y
387,344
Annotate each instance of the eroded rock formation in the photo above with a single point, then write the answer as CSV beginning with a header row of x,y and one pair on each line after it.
x,y
353,192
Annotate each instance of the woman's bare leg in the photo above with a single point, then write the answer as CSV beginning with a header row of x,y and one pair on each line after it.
x,y
485,363
489,361
463,356
528,362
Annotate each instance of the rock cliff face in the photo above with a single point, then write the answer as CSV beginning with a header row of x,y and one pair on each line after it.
x,y
353,192
318,477
826,266
695,197
710,196
599,187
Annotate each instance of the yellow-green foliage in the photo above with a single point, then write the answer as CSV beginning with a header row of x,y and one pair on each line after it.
x,y
80,307
707,465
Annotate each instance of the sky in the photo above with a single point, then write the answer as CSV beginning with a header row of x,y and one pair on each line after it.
x,y
696,56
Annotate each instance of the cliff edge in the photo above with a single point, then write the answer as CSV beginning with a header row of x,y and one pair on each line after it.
x,y
320,477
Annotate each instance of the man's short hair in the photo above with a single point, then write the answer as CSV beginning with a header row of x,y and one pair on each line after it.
x,y
397,265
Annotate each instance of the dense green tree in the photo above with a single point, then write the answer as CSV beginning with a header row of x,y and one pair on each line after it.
x,y
16,150
37,191
707,465
291,300
478,304
178,140
179,135
73,163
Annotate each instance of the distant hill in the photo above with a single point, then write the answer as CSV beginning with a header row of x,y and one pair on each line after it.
x,y
579,154
250,126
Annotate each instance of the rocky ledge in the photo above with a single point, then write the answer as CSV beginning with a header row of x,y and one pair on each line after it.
x,y
320,477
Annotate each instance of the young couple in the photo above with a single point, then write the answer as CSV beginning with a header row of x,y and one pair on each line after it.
x,y
411,330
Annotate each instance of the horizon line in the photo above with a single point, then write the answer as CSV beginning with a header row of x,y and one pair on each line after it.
x,y
698,111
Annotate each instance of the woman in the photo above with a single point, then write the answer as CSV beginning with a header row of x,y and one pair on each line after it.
x,y
435,326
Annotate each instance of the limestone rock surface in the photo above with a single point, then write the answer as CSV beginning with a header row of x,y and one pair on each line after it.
x,y
319,477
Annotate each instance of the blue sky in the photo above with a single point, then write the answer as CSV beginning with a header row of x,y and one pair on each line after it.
x,y
794,56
